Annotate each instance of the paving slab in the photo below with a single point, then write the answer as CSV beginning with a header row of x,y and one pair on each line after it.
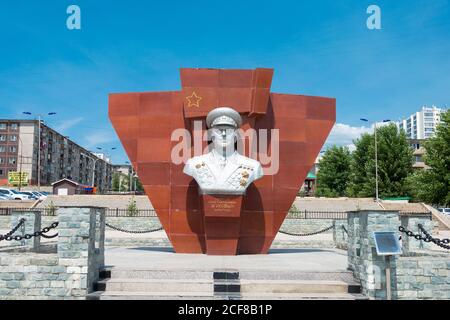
x,y
290,259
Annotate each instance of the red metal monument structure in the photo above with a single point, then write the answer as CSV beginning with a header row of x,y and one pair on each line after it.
x,y
145,122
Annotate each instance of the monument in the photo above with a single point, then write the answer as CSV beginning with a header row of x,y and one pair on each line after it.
x,y
223,170
210,196
223,176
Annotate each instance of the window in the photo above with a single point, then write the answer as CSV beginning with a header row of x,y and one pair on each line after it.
x,y
2,160
2,126
13,149
13,138
2,138
2,148
14,126
1,172
12,161
418,159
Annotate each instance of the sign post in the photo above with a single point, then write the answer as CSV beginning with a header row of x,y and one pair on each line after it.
x,y
16,178
387,244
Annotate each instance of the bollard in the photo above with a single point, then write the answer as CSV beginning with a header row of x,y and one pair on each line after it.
x,y
411,222
32,224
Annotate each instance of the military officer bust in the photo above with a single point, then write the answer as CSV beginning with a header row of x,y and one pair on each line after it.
x,y
223,170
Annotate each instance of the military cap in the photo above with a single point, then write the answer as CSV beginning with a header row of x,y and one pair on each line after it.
x,y
224,116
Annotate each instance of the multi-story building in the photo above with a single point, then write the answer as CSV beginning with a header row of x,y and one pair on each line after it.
x,y
59,156
419,152
421,124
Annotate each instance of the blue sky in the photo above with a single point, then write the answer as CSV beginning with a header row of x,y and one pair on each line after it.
x,y
316,47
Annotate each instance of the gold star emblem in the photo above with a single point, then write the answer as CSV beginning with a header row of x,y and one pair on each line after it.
x,y
243,182
194,100
245,174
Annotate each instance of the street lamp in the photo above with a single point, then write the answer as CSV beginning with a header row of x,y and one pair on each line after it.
x,y
376,155
39,143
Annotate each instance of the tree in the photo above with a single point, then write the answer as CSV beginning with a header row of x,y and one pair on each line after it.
x,y
120,182
395,159
433,185
334,172
358,167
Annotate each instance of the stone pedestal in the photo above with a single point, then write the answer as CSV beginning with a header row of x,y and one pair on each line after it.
x,y
411,222
222,216
32,224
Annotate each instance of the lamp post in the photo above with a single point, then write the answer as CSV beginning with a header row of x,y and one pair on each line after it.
x,y
376,155
39,144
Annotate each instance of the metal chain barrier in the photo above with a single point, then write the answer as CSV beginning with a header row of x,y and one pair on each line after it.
x,y
307,234
36,234
428,238
9,234
132,231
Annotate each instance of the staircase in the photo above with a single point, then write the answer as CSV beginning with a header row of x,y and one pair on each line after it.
x,y
132,284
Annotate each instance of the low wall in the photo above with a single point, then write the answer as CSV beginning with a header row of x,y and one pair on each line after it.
x,y
422,276
29,276
418,273
5,221
306,225
66,270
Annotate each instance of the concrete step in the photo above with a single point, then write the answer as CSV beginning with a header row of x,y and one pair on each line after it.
x,y
304,296
124,273
345,276
157,274
121,295
293,286
156,285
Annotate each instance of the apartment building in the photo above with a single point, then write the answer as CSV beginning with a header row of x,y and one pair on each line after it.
x,y
59,156
421,124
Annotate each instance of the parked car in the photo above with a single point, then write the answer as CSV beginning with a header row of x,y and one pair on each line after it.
x,y
30,195
13,194
39,195
4,197
444,211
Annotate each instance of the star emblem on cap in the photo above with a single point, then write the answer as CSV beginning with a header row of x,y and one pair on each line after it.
x,y
194,100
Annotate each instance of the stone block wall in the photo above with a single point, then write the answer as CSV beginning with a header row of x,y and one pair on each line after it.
x,y
371,272
306,225
414,274
340,234
66,270
411,223
422,276
29,276
353,244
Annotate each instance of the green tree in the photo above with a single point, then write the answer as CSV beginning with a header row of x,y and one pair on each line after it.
x,y
359,168
433,185
120,182
334,172
395,159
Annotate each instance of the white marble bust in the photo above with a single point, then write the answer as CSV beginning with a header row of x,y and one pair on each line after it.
x,y
223,170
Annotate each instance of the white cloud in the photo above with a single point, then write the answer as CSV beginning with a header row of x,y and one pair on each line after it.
x,y
67,124
344,134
